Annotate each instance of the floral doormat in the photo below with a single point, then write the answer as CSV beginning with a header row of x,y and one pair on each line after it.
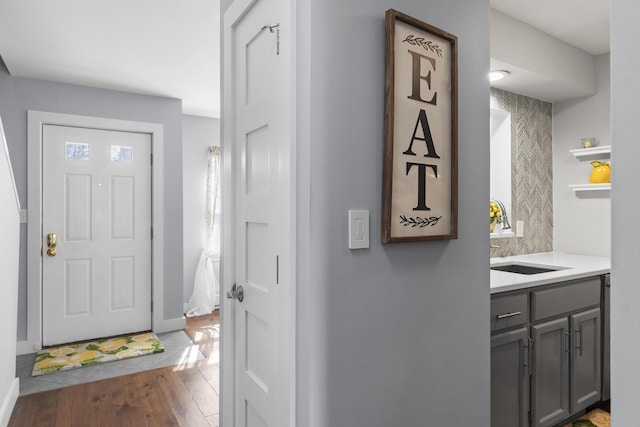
x,y
595,418
72,356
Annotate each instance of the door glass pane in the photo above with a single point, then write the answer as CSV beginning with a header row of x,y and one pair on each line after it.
x,y
121,153
76,151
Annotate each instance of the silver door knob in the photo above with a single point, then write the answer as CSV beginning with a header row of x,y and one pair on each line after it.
x,y
236,292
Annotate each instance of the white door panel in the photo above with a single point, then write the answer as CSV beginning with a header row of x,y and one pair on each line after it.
x,y
96,197
259,122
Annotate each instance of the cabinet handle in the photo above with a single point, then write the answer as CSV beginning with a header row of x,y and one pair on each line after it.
x,y
504,316
529,347
579,347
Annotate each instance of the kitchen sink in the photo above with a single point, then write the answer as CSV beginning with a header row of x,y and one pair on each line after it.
x,y
525,268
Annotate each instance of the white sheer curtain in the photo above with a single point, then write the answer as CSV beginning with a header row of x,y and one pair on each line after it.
x,y
206,285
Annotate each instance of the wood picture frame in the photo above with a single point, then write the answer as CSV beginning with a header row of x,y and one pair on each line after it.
x,y
420,170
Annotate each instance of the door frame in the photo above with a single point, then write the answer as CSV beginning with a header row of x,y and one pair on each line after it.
x,y
35,122
234,13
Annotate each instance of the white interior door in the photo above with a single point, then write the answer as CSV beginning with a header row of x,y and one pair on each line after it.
x,y
96,199
260,136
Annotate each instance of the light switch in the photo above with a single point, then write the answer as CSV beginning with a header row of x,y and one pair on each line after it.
x,y
358,229
519,228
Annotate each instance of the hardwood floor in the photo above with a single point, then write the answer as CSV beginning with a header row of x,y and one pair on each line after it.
x,y
184,395
205,332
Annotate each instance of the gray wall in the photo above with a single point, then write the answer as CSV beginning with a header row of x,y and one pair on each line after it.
x,y
198,133
531,173
582,225
625,227
398,334
17,95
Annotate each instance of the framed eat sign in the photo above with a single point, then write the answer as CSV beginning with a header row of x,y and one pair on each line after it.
x,y
420,175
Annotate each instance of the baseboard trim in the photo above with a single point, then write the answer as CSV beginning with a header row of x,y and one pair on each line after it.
x,y
169,325
9,402
26,347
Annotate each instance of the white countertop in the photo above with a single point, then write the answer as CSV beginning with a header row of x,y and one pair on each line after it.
x,y
574,267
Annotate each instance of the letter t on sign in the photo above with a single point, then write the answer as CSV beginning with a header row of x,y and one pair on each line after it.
x,y
422,183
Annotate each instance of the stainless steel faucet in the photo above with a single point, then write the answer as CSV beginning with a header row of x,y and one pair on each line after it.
x,y
505,219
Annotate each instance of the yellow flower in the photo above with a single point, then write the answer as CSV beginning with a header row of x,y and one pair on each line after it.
x,y
62,351
143,337
49,362
113,344
124,354
83,356
495,214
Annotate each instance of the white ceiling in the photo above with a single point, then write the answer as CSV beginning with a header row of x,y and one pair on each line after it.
x,y
166,48
172,48
581,23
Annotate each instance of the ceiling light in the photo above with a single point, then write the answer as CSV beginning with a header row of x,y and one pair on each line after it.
x,y
497,75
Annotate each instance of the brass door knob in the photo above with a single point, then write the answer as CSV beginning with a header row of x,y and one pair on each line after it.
x,y
52,241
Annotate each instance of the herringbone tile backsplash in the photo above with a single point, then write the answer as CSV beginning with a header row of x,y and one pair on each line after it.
x,y
531,173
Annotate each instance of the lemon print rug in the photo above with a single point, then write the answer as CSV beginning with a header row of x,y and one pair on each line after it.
x,y
72,356
595,418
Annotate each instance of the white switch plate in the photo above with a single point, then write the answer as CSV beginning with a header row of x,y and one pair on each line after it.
x,y
519,228
358,229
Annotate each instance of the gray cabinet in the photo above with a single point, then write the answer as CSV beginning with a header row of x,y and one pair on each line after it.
x,y
510,356
585,363
546,353
510,378
566,364
550,380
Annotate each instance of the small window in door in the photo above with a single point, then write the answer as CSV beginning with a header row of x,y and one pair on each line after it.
x,y
77,151
121,153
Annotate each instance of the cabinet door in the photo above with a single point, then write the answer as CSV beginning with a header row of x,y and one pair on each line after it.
x,y
510,379
585,368
550,379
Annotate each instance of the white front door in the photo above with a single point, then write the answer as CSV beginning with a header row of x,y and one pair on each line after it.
x,y
259,137
96,199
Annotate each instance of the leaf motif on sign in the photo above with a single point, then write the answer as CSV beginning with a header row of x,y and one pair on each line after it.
x,y
426,44
419,221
